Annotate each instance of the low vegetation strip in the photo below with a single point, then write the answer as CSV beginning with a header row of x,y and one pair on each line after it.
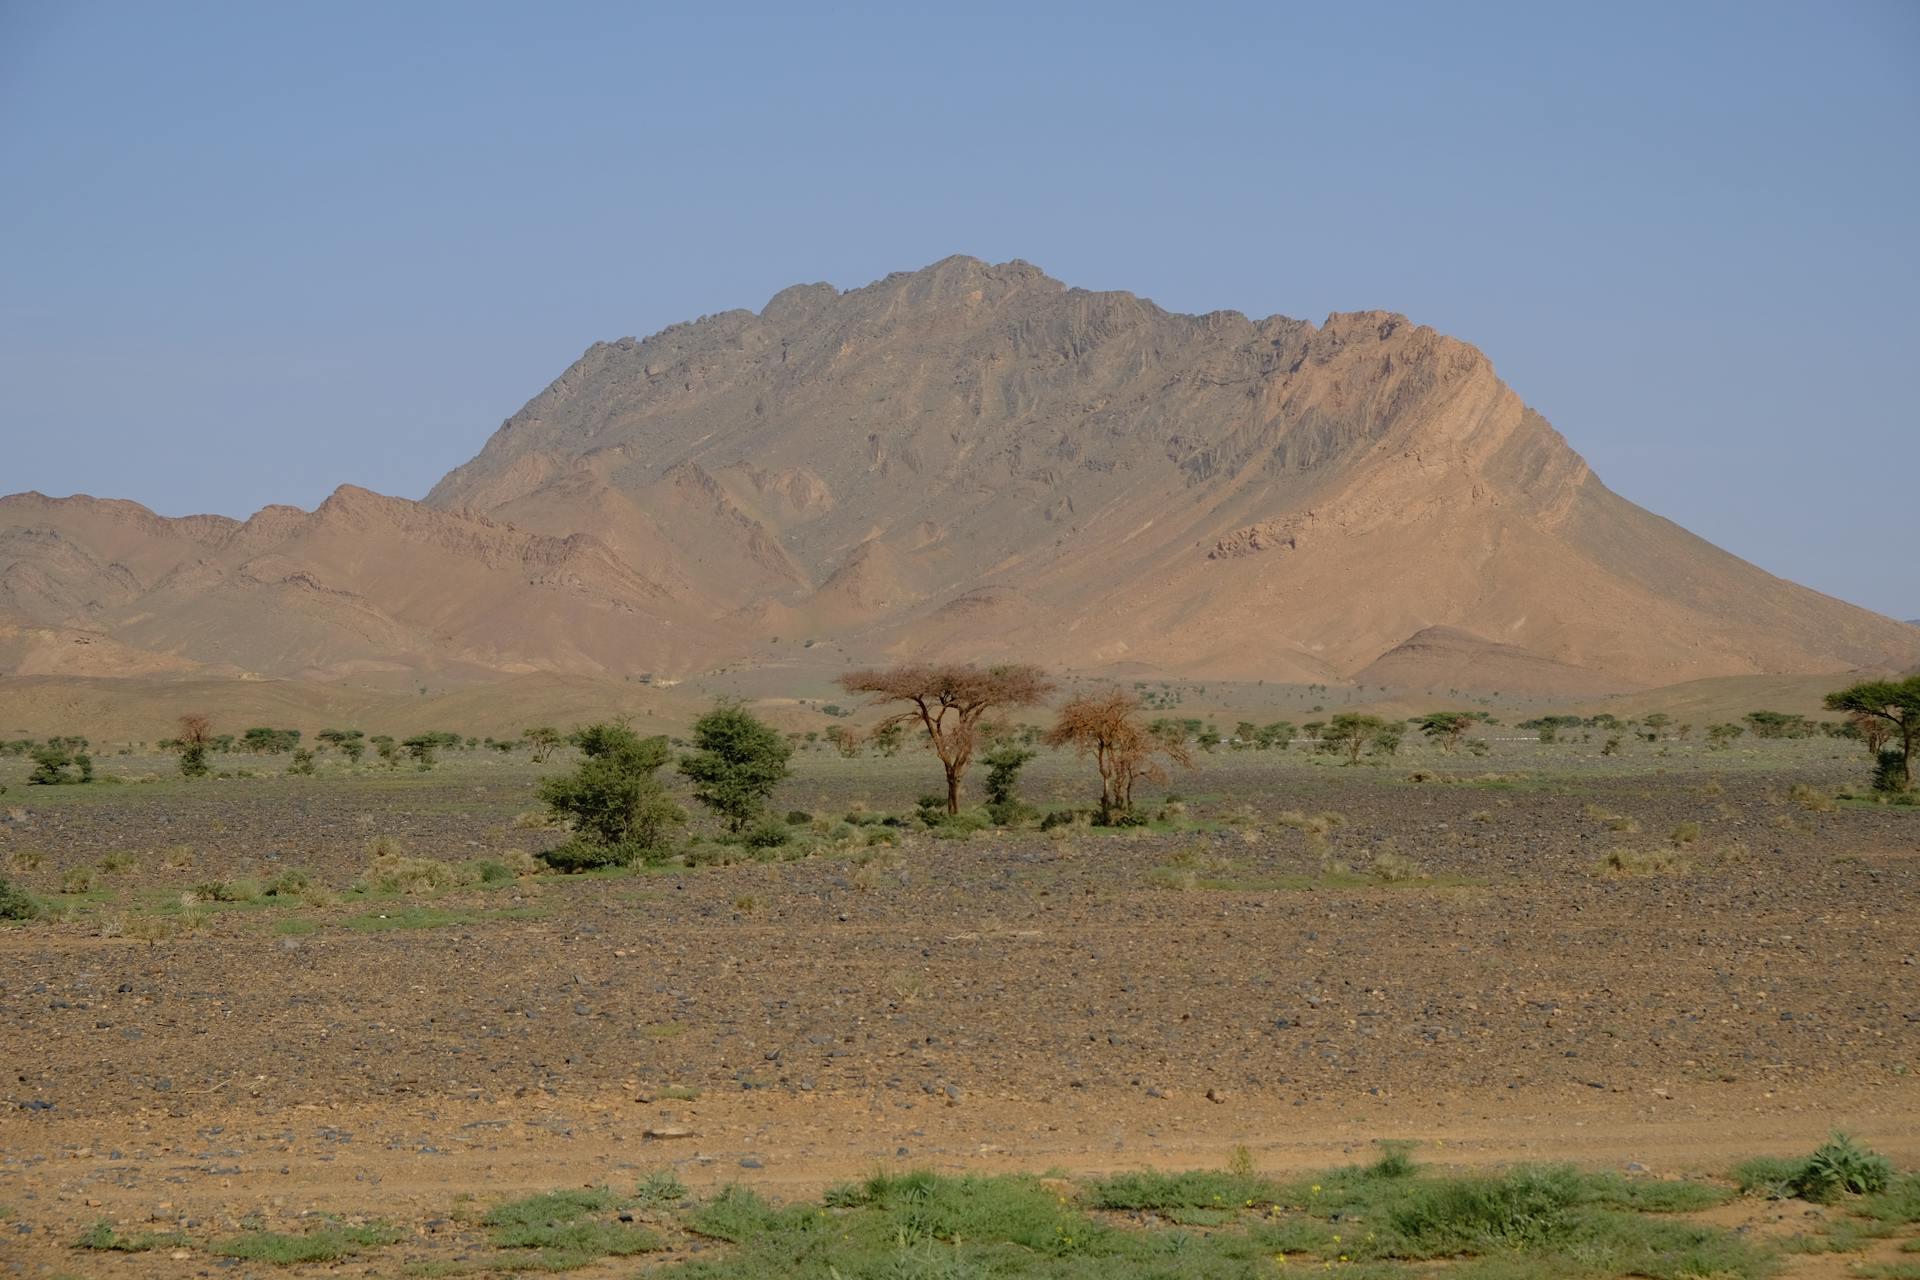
x,y
1391,1218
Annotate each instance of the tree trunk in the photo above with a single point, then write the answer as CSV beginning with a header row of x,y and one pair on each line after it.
x,y
953,790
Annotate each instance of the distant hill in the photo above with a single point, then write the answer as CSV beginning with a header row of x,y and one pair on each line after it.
x,y
971,460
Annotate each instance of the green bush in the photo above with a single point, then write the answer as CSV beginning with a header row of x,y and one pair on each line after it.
x,y
767,835
16,903
1839,1167
736,763
51,764
619,812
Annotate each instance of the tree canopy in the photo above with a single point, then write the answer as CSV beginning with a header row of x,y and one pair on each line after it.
x,y
1895,703
948,699
736,763
1107,727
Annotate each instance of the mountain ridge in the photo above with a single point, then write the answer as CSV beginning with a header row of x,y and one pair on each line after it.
x,y
969,460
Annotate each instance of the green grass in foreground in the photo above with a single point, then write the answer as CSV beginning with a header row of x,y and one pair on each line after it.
x,y
1391,1220
1373,1221
328,1244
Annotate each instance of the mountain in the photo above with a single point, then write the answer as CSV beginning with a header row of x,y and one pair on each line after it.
x,y
972,460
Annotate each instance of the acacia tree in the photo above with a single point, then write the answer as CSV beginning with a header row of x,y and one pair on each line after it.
x,y
948,700
1446,727
351,743
196,735
544,741
1351,733
1107,727
1896,703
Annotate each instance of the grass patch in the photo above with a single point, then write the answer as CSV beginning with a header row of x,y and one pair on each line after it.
x,y
416,917
328,1244
564,1230
1839,1167
102,1238
1621,864
1380,1220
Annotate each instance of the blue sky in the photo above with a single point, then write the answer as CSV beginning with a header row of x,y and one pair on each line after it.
x,y
248,252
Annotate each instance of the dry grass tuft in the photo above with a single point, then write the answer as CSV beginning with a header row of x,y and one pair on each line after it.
x,y
1623,863
1812,799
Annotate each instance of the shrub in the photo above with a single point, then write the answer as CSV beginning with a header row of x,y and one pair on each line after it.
x,y
52,763
1812,799
1890,772
1840,1167
16,903
240,890
394,872
767,835
290,883
1390,866
1004,763
619,812
798,817
1619,863
736,763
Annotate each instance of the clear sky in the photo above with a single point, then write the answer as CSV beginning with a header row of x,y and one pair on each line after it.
x,y
251,251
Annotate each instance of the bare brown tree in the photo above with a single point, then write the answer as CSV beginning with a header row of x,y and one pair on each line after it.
x,y
948,700
1107,727
1873,730
196,735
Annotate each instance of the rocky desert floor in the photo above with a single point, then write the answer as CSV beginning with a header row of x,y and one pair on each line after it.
x,y
1657,965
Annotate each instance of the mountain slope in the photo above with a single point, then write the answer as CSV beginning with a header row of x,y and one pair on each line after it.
x,y
970,460
1087,479
363,586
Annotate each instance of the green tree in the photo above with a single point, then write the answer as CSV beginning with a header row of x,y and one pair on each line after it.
x,y
387,749
1446,727
736,763
949,700
272,742
1278,734
1004,763
619,812
423,748
1777,724
1721,736
351,743
51,762
196,735
1351,733
1895,703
